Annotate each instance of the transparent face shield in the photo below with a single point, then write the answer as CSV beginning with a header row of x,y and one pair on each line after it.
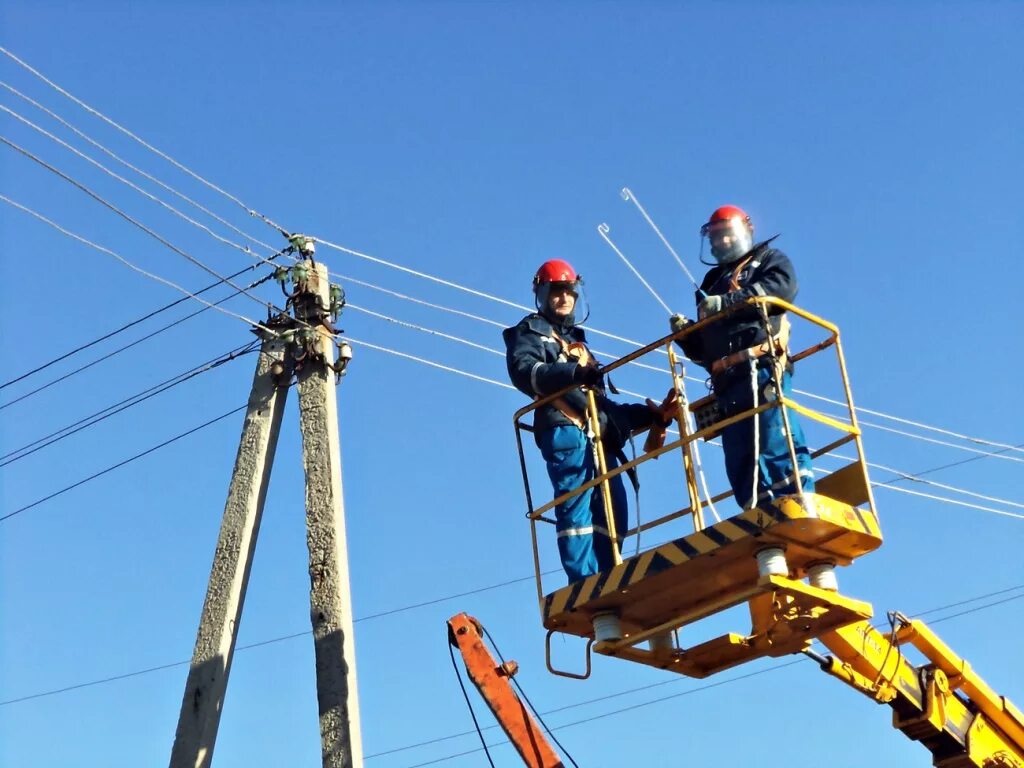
x,y
575,289
729,240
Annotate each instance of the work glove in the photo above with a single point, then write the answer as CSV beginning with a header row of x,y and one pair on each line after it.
x,y
666,411
587,375
663,415
710,305
678,322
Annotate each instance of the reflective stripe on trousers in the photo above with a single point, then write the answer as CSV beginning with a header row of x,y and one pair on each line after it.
x,y
583,542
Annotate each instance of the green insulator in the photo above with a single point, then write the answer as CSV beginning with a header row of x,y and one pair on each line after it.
x,y
281,274
300,273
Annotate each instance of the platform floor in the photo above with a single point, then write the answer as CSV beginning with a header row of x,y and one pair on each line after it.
x,y
691,576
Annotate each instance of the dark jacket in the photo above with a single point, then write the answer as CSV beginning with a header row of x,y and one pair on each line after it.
x,y
769,272
537,367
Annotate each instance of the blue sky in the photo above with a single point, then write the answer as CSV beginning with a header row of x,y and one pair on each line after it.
x,y
472,141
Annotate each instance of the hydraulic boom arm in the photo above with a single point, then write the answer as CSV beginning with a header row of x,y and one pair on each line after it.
x,y
492,680
942,703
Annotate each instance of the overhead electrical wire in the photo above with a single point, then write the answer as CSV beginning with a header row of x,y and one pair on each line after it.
x,y
505,385
608,355
626,193
431,363
495,323
152,276
137,321
148,146
948,466
642,397
78,185
199,225
135,169
123,348
111,410
270,641
120,464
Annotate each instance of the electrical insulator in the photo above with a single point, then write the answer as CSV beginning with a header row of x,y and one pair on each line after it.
x,y
342,361
337,294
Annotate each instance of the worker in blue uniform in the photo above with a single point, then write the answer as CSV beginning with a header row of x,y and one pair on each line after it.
x,y
546,352
739,354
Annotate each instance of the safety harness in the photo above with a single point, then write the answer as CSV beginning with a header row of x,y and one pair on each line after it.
x,y
579,352
779,340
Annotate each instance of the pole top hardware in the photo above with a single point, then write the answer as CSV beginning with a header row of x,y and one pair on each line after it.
x,y
337,296
304,244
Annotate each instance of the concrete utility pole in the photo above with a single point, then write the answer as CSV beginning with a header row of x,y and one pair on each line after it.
x,y
302,344
330,602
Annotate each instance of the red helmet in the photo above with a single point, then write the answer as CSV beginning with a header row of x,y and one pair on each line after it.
x,y
730,233
554,271
726,214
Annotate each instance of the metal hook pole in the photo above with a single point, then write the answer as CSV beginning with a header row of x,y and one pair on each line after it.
x,y
603,230
629,197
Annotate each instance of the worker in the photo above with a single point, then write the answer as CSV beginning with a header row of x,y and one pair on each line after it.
x,y
547,352
738,354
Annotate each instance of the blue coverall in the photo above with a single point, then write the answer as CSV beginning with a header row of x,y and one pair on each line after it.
x,y
765,271
538,366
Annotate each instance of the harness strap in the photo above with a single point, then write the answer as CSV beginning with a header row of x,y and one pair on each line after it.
x,y
780,342
570,413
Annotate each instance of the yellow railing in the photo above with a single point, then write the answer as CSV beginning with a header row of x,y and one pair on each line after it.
x,y
849,484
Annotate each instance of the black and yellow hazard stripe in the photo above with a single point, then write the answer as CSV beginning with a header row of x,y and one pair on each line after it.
x,y
753,522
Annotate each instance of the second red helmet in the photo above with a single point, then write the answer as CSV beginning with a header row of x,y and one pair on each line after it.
x,y
726,214
554,271
729,232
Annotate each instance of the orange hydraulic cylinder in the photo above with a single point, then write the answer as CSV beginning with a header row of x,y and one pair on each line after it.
x,y
492,680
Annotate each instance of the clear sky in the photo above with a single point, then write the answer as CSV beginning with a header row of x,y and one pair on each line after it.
x,y
472,141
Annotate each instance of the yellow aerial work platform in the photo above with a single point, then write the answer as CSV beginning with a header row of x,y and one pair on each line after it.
x,y
757,557
685,580
761,557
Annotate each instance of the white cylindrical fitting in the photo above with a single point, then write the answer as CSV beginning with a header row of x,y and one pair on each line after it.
x,y
662,642
772,562
607,627
823,576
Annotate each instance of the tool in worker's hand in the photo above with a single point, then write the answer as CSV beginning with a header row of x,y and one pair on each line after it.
x,y
664,415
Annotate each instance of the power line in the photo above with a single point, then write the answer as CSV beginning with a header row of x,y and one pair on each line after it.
x,y
905,476
948,466
150,147
922,494
342,248
431,363
238,246
486,380
641,397
135,222
131,167
134,267
268,641
135,322
980,441
457,286
123,405
522,307
123,348
129,460
424,329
